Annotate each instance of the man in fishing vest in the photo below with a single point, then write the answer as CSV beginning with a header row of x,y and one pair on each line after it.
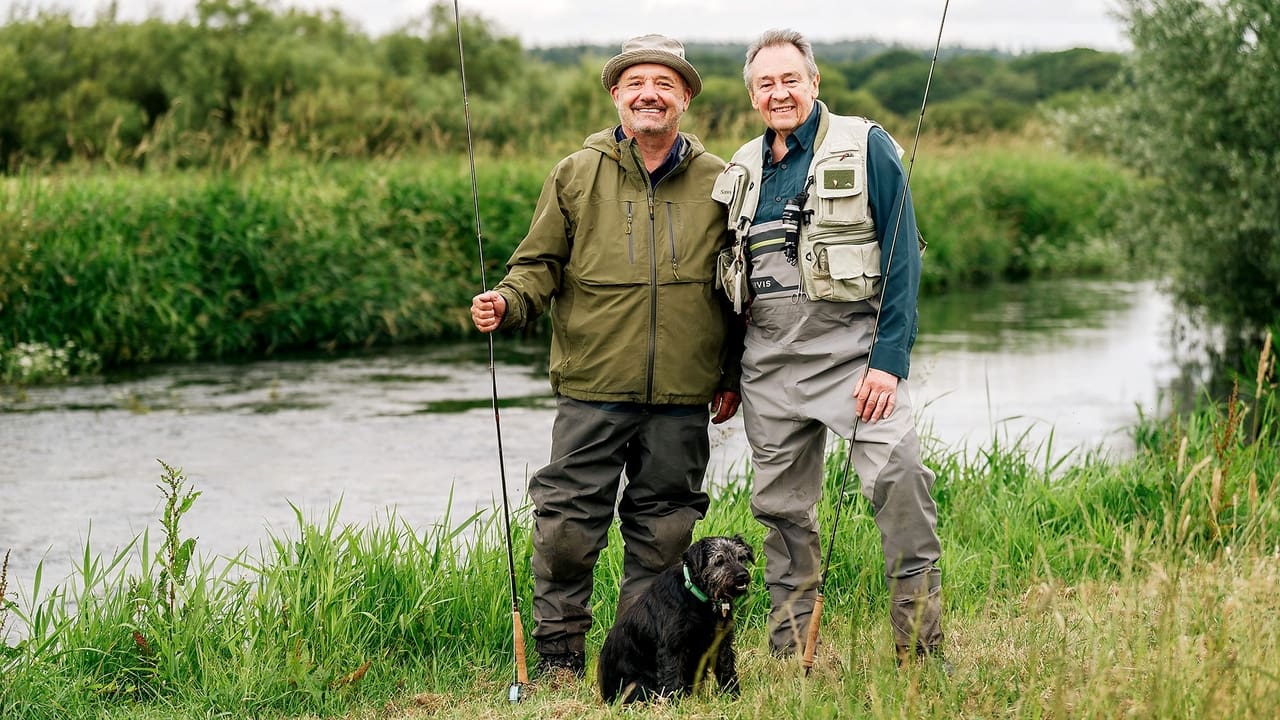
x,y
621,253
815,204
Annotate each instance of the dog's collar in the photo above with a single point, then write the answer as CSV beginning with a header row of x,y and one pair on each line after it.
x,y
697,592
688,584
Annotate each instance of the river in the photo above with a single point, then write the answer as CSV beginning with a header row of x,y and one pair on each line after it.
x,y
413,430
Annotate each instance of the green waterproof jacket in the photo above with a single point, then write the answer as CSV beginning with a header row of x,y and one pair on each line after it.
x,y
626,271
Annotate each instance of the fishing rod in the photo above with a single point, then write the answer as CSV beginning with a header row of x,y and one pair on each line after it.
x,y
516,692
811,638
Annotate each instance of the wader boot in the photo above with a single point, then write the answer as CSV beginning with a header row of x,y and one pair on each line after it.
x,y
915,611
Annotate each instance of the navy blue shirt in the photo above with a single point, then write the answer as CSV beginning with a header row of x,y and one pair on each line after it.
x,y
668,164
780,181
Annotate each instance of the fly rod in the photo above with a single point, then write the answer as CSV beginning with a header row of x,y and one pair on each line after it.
x,y
811,638
516,692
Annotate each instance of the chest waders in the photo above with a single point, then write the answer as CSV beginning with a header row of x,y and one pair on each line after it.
x,y
811,639
515,693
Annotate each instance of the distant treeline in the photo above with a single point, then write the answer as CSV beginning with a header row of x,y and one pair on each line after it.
x,y
241,79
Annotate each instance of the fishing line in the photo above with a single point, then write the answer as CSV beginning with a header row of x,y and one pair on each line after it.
x,y
811,638
516,691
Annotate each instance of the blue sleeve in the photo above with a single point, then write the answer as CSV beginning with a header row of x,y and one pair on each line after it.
x,y
900,269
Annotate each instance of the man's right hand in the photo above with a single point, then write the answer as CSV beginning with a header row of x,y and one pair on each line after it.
x,y
487,310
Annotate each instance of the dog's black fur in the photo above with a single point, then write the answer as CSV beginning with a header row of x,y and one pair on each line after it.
x,y
664,641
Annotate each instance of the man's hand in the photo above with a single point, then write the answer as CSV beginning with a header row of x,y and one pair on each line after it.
x,y
724,405
876,392
487,310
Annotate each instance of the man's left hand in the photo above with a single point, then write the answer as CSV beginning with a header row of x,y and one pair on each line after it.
x,y
724,405
875,395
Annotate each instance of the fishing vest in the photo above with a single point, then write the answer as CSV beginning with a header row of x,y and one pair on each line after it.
x,y
838,257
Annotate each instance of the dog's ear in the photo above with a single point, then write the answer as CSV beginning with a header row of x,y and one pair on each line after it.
x,y
695,557
751,553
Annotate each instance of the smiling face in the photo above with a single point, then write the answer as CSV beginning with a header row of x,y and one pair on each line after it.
x,y
781,89
650,99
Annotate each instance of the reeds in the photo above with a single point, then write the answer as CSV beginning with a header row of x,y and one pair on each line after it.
x,y
141,267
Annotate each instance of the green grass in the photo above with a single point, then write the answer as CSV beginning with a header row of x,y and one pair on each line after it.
x,y
289,256
1087,588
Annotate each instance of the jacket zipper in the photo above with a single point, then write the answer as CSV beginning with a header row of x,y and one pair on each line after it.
x,y
653,279
671,237
631,248
653,295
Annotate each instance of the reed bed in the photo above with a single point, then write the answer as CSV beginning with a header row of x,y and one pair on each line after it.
x,y
281,256
1079,587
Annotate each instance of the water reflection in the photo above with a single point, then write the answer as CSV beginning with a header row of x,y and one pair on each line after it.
x,y
414,429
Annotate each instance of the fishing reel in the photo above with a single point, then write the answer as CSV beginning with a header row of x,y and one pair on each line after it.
x,y
793,216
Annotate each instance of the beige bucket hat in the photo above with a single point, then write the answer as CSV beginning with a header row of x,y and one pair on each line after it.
x,y
651,49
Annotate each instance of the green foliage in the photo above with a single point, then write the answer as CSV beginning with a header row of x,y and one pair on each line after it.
x,y
247,78
977,115
38,363
140,267
1072,70
1197,118
1014,213
144,268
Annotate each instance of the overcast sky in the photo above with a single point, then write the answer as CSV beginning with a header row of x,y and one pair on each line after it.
x,y
1014,25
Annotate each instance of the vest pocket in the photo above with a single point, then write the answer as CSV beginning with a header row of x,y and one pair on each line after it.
x,y
731,275
840,190
842,271
730,190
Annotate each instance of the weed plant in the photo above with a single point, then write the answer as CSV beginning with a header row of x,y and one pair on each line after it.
x,y
1143,587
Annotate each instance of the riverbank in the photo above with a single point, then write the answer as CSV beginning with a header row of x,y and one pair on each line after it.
x,y
134,268
1096,590
412,427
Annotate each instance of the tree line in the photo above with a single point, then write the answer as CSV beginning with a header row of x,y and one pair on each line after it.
x,y
240,77
1189,111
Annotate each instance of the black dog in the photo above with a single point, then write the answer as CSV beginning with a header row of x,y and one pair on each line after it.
x,y
680,627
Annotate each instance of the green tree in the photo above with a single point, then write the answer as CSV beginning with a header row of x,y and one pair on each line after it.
x,y
1069,70
1199,120
491,59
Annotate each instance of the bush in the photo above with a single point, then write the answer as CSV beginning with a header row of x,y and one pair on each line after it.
x,y
1197,118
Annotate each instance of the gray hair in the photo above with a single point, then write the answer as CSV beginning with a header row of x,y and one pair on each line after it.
x,y
780,37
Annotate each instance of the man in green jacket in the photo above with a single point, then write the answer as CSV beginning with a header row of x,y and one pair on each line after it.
x,y
621,253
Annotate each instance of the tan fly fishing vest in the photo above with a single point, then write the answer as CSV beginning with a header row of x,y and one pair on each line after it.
x,y
838,256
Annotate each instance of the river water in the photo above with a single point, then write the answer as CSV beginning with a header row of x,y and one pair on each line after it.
x,y
412,430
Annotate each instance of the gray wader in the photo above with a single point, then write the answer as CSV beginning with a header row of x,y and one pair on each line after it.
x,y
801,364
664,451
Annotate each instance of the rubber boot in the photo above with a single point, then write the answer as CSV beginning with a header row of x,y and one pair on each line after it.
x,y
915,612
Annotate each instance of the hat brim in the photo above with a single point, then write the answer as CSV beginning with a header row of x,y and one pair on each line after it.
x,y
613,69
